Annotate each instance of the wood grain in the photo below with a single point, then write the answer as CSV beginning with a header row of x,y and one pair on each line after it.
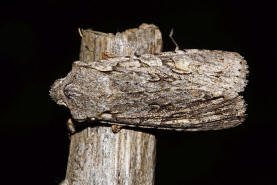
x,y
97,155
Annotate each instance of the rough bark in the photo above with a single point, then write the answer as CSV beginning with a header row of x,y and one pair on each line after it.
x,y
97,155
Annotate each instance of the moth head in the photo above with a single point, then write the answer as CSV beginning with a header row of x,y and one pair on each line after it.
x,y
56,92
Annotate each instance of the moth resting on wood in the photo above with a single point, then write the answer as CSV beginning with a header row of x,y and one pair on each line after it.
x,y
183,90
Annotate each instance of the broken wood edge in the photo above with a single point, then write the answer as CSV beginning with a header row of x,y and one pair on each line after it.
x,y
99,156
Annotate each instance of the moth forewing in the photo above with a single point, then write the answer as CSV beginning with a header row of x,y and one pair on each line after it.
x,y
182,90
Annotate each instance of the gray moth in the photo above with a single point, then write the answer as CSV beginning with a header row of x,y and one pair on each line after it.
x,y
186,90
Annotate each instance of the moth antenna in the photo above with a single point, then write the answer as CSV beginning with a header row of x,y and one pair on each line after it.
x,y
172,39
80,32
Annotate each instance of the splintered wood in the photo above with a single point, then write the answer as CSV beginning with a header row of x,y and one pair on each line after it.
x,y
97,155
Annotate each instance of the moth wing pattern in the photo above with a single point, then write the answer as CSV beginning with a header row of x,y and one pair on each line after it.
x,y
183,90
213,114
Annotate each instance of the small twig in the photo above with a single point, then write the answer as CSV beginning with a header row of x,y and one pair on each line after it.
x,y
172,39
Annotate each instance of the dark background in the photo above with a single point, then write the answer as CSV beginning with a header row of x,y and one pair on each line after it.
x,y
39,41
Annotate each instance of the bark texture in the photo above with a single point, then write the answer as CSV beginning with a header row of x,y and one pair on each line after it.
x,y
97,155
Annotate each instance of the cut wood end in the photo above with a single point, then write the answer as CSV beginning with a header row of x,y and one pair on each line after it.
x,y
82,32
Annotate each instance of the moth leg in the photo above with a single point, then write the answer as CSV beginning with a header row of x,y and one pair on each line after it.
x,y
106,55
116,128
70,126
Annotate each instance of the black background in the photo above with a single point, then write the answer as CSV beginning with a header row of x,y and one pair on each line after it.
x,y
39,41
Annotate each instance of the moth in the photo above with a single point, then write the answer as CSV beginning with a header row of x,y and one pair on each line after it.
x,y
187,90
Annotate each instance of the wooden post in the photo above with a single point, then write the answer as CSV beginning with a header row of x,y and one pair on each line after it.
x,y
97,155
